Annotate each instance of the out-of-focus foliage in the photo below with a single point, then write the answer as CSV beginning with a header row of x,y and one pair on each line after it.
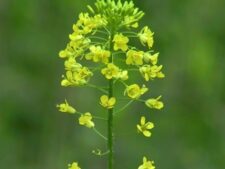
x,y
188,133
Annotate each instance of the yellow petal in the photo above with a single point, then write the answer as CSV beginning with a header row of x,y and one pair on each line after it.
x,y
65,82
139,128
62,54
144,159
147,133
149,125
112,101
142,120
104,99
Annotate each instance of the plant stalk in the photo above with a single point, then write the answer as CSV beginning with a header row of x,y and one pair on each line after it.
x,y
110,114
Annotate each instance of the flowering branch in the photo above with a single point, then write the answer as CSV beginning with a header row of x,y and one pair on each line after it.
x,y
102,38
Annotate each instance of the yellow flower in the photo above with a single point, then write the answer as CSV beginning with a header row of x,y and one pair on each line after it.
x,y
100,21
111,71
79,76
69,51
120,42
134,91
151,58
74,165
144,127
82,75
76,37
147,164
130,21
68,79
76,46
146,36
123,75
97,54
66,108
87,24
63,54
154,103
151,72
71,64
107,102
85,119
134,57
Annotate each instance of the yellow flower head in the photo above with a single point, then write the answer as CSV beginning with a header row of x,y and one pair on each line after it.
x,y
107,102
134,57
134,91
147,164
145,127
85,119
74,165
120,42
97,54
66,108
111,71
151,72
151,58
154,103
146,36
98,38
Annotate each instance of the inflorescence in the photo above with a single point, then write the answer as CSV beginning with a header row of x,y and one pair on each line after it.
x,y
103,37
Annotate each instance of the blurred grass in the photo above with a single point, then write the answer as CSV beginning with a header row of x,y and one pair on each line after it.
x,y
189,132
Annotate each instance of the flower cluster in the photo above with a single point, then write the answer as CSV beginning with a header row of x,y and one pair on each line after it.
x,y
100,45
112,71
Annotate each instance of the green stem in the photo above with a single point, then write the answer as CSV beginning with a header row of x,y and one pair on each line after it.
x,y
100,134
110,129
97,87
110,114
124,107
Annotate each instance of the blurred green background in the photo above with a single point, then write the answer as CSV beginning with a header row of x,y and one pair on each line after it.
x,y
189,132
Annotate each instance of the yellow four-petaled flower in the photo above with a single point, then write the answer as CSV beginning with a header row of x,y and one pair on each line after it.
x,y
134,91
76,77
107,102
154,103
120,42
144,127
147,164
151,72
111,71
134,57
98,54
74,165
153,59
66,108
146,36
86,120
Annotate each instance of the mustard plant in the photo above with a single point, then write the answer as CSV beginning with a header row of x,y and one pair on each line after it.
x,y
103,41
